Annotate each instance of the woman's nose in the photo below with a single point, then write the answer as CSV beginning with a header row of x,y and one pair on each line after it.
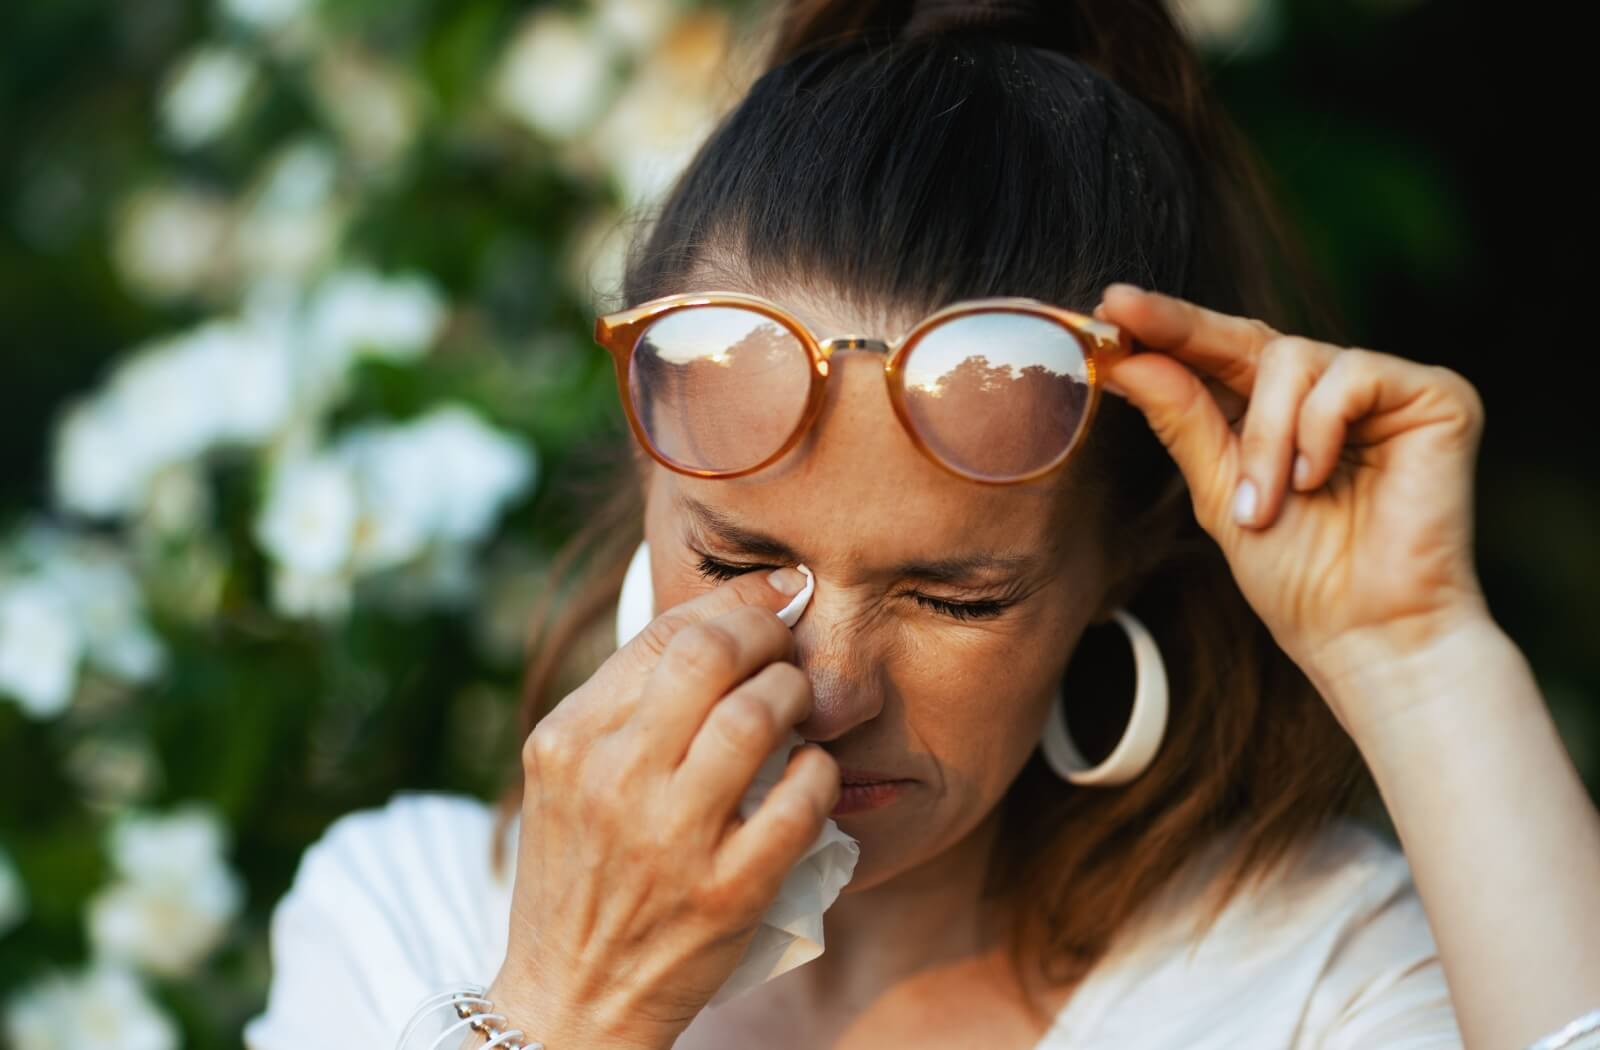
x,y
835,654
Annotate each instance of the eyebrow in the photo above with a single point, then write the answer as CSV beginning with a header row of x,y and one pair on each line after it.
x,y
957,569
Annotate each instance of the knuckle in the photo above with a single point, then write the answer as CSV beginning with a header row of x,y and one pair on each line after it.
x,y
788,677
548,748
1463,390
796,817
702,650
1358,363
1280,347
1263,330
1290,352
659,632
752,621
743,721
723,897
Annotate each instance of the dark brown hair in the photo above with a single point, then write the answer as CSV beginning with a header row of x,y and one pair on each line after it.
x,y
902,156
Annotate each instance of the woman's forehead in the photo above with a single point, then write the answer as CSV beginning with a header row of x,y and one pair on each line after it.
x,y
825,313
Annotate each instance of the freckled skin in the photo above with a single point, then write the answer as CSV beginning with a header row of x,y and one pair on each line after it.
x,y
900,687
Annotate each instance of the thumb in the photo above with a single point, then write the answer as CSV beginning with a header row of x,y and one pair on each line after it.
x,y
1189,422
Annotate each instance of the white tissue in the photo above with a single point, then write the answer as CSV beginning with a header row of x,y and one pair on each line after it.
x,y
791,929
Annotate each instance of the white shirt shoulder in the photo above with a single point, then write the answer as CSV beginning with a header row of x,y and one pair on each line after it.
x,y
1332,952
389,905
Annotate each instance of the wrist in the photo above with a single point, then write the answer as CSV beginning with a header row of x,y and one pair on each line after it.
x,y
561,1023
1393,696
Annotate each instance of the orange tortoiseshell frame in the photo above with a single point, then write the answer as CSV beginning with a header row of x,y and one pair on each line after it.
x,y
618,332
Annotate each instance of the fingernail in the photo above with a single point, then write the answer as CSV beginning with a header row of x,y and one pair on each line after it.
x,y
1302,470
786,580
1244,502
1126,285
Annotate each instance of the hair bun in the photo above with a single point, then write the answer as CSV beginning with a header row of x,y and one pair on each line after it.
x,y
944,16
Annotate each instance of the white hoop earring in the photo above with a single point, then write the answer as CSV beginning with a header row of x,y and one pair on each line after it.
x,y
1147,723
636,605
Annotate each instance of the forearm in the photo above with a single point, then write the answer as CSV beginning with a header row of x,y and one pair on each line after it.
x,y
1502,838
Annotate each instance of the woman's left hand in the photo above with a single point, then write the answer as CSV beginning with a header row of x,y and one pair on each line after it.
x,y
1369,556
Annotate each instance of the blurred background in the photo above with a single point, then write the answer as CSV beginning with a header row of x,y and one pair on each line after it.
x,y
297,386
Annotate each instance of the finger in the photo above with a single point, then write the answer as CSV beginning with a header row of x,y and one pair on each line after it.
x,y
771,591
1188,421
738,735
1286,370
611,693
760,851
1365,397
1232,404
701,664
1218,344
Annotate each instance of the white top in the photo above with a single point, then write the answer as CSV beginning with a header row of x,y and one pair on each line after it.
x,y
1332,953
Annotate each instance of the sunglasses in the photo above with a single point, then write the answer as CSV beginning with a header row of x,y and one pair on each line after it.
x,y
721,384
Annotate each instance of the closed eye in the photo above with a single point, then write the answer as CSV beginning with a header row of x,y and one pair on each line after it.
x,y
713,569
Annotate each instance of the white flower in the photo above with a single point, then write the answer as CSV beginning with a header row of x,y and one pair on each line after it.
x,y
170,242
398,486
13,895
294,217
442,478
325,596
40,647
309,521
93,468
477,469
670,105
227,381
558,73
204,94
358,311
265,14
175,896
106,604
150,849
636,24
103,1008
248,369
167,926
375,107
386,497
76,602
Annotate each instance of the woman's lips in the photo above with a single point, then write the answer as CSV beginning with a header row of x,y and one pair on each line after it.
x,y
854,797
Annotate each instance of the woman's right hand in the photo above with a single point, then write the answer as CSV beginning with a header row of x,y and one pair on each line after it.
x,y
638,886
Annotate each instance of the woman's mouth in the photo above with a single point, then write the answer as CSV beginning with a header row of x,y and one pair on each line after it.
x,y
861,790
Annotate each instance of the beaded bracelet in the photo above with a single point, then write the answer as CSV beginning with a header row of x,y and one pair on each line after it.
x,y
1572,1035
472,1011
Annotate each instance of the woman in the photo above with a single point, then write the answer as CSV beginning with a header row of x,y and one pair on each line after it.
x,y
1281,526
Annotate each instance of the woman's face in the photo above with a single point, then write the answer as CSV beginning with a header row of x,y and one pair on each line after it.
x,y
942,681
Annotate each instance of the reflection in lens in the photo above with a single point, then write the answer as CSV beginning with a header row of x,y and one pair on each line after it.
x,y
1000,394
719,387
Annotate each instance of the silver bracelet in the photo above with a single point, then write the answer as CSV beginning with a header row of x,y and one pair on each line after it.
x,y
468,1012
1570,1034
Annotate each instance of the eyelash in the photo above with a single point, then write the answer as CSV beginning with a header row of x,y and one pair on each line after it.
x,y
713,569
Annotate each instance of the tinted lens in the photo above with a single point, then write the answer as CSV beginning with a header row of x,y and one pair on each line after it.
x,y
719,387
1000,394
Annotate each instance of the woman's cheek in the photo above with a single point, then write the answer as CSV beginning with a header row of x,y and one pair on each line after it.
x,y
972,710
